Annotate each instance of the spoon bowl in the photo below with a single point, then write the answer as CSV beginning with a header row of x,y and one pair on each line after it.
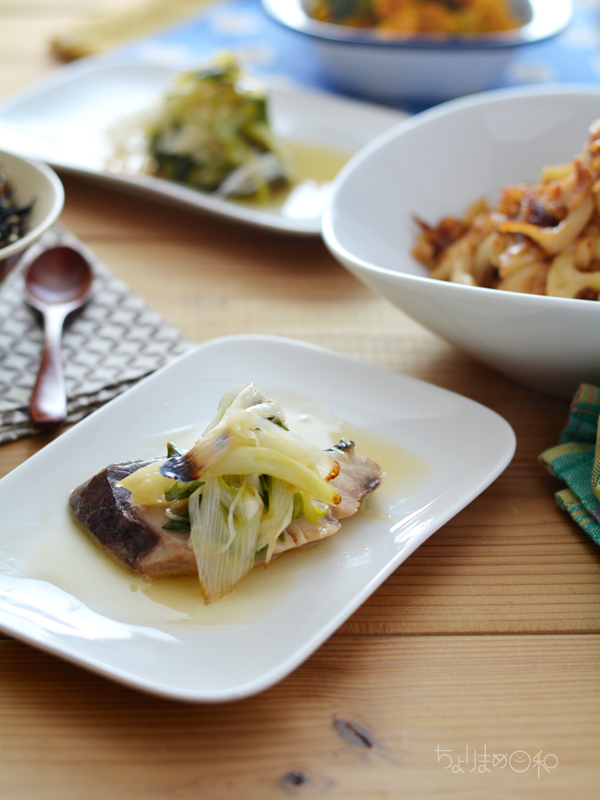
x,y
58,282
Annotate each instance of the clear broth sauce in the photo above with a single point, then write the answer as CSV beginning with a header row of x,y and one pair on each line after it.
x,y
314,167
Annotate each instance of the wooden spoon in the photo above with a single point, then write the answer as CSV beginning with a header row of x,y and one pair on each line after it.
x,y
57,282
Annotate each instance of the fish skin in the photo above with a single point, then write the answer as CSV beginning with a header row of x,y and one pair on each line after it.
x,y
358,476
131,535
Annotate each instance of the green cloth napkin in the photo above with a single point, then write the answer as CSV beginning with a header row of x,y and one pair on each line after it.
x,y
576,461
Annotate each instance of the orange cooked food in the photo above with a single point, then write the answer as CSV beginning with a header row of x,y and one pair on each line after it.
x,y
540,239
420,16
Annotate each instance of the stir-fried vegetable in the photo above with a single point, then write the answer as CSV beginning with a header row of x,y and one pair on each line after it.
x,y
212,132
238,488
540,238
420,16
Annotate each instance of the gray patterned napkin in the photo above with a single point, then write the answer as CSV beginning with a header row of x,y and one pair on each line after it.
x,y
107,347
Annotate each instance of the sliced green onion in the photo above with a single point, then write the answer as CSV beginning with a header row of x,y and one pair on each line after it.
x,y
262,460
179,523
180,490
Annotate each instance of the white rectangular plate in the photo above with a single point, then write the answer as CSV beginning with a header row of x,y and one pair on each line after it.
x,y
65,121
59,593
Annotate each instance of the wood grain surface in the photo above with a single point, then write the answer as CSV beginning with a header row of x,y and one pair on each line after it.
x,y
486,638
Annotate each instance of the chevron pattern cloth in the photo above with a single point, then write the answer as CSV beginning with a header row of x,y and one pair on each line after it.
x,y
107,347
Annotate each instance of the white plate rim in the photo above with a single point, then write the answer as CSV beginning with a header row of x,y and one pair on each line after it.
x,y
148,186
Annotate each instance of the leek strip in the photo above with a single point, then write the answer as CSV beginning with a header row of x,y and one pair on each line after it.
x,y
224,404
264,461
313,511
224,534
278,516
147,485
298,505
266,433
207,450
291,445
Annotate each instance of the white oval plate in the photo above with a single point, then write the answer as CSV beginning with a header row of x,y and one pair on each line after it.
x,y
59,593
65,121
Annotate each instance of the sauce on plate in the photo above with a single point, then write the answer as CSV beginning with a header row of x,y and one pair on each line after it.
x,y
314,167
67,558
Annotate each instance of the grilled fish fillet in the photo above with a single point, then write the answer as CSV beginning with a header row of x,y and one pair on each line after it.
x,y
134,536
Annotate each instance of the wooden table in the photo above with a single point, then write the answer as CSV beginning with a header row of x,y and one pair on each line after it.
x,y
487,637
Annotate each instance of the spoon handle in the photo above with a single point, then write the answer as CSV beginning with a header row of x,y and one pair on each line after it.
x,y
48,406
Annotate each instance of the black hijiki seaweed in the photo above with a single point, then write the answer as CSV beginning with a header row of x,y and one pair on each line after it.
x,y
13,219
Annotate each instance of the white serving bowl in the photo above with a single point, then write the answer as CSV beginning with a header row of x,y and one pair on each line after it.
x,y
436,164
32,180
424,68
